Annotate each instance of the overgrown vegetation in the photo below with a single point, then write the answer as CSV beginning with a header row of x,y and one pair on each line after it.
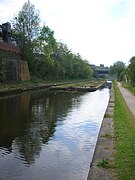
x,y
103,163
124,73
117,70
129,87
125,139
131,71
108,116
47,58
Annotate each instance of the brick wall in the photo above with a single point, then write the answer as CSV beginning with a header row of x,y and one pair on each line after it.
x,y
12,68
9,70
12,71
23,71
9,47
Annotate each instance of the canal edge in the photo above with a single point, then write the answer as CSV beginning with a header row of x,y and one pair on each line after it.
x,y
104,150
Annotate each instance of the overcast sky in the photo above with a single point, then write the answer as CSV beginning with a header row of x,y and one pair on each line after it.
x,y
101,31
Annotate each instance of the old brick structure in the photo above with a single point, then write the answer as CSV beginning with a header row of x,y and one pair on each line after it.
x,y
12,67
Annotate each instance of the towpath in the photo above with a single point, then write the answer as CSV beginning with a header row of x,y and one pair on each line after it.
x,y
129,98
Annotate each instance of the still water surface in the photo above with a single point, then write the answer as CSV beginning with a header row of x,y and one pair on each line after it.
x,y
49,135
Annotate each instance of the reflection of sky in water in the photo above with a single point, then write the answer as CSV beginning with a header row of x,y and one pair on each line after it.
x,y
67,154
70,151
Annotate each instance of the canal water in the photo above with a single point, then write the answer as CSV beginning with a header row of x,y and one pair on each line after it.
x,y
50,135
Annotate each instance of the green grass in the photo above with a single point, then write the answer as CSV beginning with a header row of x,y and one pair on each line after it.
x,y
108,116
129,87
108,136
103,163
125,139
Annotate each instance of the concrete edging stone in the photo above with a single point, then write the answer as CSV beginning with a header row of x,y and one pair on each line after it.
x,y
104,149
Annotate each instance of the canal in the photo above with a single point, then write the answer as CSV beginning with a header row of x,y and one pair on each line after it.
x,y
50,135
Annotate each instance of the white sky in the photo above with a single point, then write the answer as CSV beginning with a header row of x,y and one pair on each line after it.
x,y
101,31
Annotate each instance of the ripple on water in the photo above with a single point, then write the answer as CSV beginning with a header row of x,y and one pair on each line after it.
x,y
53,135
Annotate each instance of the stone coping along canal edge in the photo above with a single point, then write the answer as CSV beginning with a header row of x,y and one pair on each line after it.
x,y
104,150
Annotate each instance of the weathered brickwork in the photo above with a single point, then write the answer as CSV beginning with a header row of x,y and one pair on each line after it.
x,y
9,47
23,71
9,70
12,68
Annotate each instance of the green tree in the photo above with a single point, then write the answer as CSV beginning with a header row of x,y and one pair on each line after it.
x,y
26,30
101,66
46,43
63,59
26,23
131,71
117,68
46,58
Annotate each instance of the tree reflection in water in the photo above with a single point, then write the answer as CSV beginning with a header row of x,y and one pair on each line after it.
x,y
29,121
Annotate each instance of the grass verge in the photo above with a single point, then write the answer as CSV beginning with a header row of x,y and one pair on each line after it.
x,y
129,87
125,139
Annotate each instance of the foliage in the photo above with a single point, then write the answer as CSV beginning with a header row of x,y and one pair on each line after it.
x,y
47,58
124,73
103,163
46,43
117,69
71,66
101,66
131,71
26,25
129,87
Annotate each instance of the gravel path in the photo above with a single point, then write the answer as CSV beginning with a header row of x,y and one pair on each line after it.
x,y
129,98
